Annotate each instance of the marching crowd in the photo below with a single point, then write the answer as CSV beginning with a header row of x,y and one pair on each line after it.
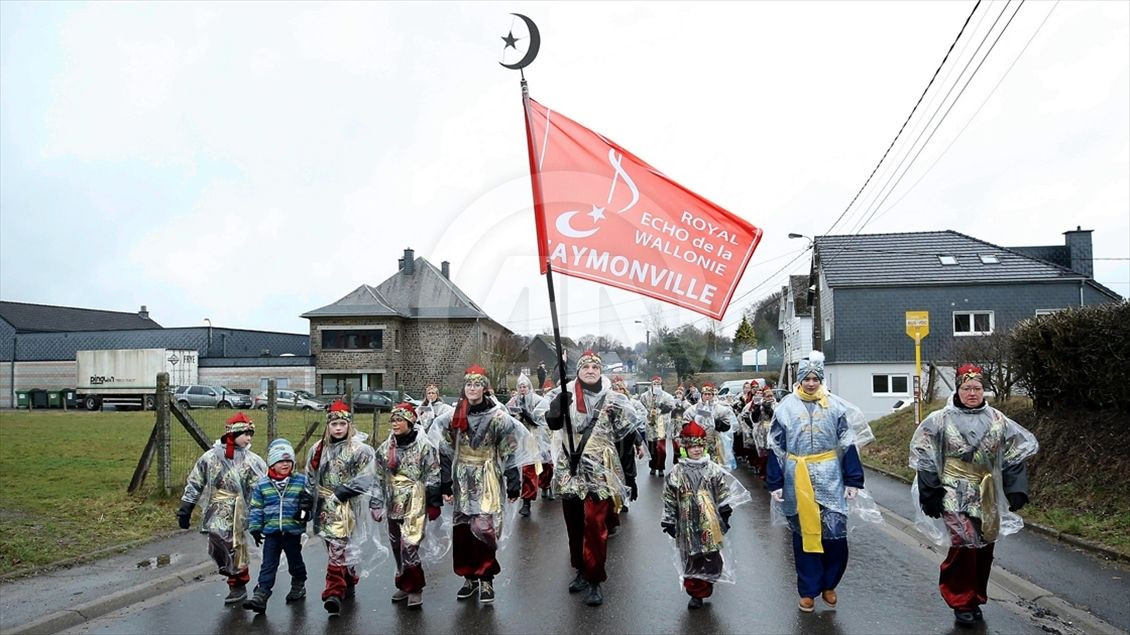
x,y
450,478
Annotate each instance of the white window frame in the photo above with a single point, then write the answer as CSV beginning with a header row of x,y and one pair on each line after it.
x,y
1040,312
972,321
827,334
890,391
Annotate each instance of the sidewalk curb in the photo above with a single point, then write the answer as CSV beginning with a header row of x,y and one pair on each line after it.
x,y
1097,549
67,563
68,618
1015,585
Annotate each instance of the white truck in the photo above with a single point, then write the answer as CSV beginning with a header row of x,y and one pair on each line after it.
x,y
127,378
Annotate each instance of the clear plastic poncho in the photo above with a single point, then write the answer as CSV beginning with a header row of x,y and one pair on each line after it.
x,y
967,448
657,406
344,469
403,478
709,415
427,412
794,432
693,494
525,409
598,472
493,444
222,488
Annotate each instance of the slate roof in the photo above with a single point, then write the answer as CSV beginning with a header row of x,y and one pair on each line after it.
x,y
46,318
799,291
886,260
423,293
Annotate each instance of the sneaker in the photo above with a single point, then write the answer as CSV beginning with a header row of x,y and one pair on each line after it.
x,y
399,596
297,591
415,601
613,531
806,605
694,603
829,597
964,617
468,589
257,602
594,598
333,605
578,584
525,510
236,594
486,591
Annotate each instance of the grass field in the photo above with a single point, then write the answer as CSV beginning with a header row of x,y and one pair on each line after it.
x,y
63,479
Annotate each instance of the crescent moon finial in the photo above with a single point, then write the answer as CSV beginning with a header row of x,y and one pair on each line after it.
x,y
531,50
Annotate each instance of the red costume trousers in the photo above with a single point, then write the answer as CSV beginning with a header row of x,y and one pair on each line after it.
x,y
675,450
586,522
531,481
409,573
964,576
658,449
340,578
471,557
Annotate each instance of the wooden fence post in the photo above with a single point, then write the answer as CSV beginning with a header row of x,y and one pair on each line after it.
x,y
164,436
375,439
272,411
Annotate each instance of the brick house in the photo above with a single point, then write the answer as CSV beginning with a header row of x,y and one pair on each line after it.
x,y
414,328
866,283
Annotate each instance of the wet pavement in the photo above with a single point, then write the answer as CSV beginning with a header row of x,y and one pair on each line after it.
x,y
1084,579
890,587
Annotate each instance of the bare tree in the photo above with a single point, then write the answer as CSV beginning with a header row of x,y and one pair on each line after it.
x,y
507,352
993,354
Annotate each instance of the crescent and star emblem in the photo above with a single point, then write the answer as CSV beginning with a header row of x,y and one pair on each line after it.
x,y
564,220
531,49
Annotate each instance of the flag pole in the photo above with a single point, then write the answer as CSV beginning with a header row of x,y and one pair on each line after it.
x,y
535,179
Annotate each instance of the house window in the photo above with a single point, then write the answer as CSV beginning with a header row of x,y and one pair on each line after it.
x,y
948,261
280,383
972,323
1040,312
336,384
827,329
352,340
989,259
890,385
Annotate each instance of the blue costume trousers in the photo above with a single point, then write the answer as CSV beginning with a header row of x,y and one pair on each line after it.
x,y
817,572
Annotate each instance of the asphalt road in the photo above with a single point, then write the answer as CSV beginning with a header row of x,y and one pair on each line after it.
x,y
890,587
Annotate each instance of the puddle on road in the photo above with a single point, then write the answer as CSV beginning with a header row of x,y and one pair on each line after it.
x,y
158,561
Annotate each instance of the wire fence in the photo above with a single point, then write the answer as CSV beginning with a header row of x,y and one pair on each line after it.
x,y
303,428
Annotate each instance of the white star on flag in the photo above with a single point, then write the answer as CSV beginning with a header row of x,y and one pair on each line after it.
x,y
597,213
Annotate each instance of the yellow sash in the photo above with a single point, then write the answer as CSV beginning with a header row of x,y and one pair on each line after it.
x,y
491,502
339,521
412,527
806,506
982,478
239,524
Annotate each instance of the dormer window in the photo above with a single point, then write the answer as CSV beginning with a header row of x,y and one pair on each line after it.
x,y
947,260
989,259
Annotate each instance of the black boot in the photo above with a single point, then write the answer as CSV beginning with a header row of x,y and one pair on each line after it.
x,y
333,605
694,603
236,594
977,614
297,591
258,601
525,511
578,584
547,494
964,617
594,597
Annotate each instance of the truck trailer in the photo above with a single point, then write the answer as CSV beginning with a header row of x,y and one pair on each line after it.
x,y
127,378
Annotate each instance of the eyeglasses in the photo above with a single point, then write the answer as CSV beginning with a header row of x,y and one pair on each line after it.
x,y
971,389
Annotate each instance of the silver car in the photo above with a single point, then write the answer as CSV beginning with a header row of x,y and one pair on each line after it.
x,y
289,400
198,396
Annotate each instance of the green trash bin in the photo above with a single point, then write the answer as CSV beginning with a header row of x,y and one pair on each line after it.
x,y
54,399
38,397
69,398
22,399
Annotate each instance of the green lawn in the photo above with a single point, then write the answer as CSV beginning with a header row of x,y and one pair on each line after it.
x,y
63,478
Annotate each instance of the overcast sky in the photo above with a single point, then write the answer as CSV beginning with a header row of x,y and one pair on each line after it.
x,y
250,162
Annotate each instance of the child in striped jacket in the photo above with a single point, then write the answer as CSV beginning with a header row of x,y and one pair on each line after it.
x,y
277,522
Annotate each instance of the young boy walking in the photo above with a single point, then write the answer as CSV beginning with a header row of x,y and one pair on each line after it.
x,y
221,482
698,499
277,524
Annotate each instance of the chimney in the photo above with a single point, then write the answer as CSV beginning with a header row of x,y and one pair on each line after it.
x,y
445,269
409,261
1078,243
143,313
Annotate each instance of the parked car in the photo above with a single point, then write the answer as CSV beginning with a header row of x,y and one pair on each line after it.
x,y
199,396
734,386
392,395
290,400
370,400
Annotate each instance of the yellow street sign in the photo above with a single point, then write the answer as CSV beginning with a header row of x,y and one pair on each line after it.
x,y
918,324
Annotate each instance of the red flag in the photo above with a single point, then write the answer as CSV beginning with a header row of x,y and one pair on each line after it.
x,y
605,215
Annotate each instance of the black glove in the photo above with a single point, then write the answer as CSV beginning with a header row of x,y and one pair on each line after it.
x,y
668,528
526,418
724,512
344,492
664,408
932,506
305,506
1016,500
184,514
558,409
258,536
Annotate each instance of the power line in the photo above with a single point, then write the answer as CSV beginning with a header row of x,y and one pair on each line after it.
x,y
908,117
